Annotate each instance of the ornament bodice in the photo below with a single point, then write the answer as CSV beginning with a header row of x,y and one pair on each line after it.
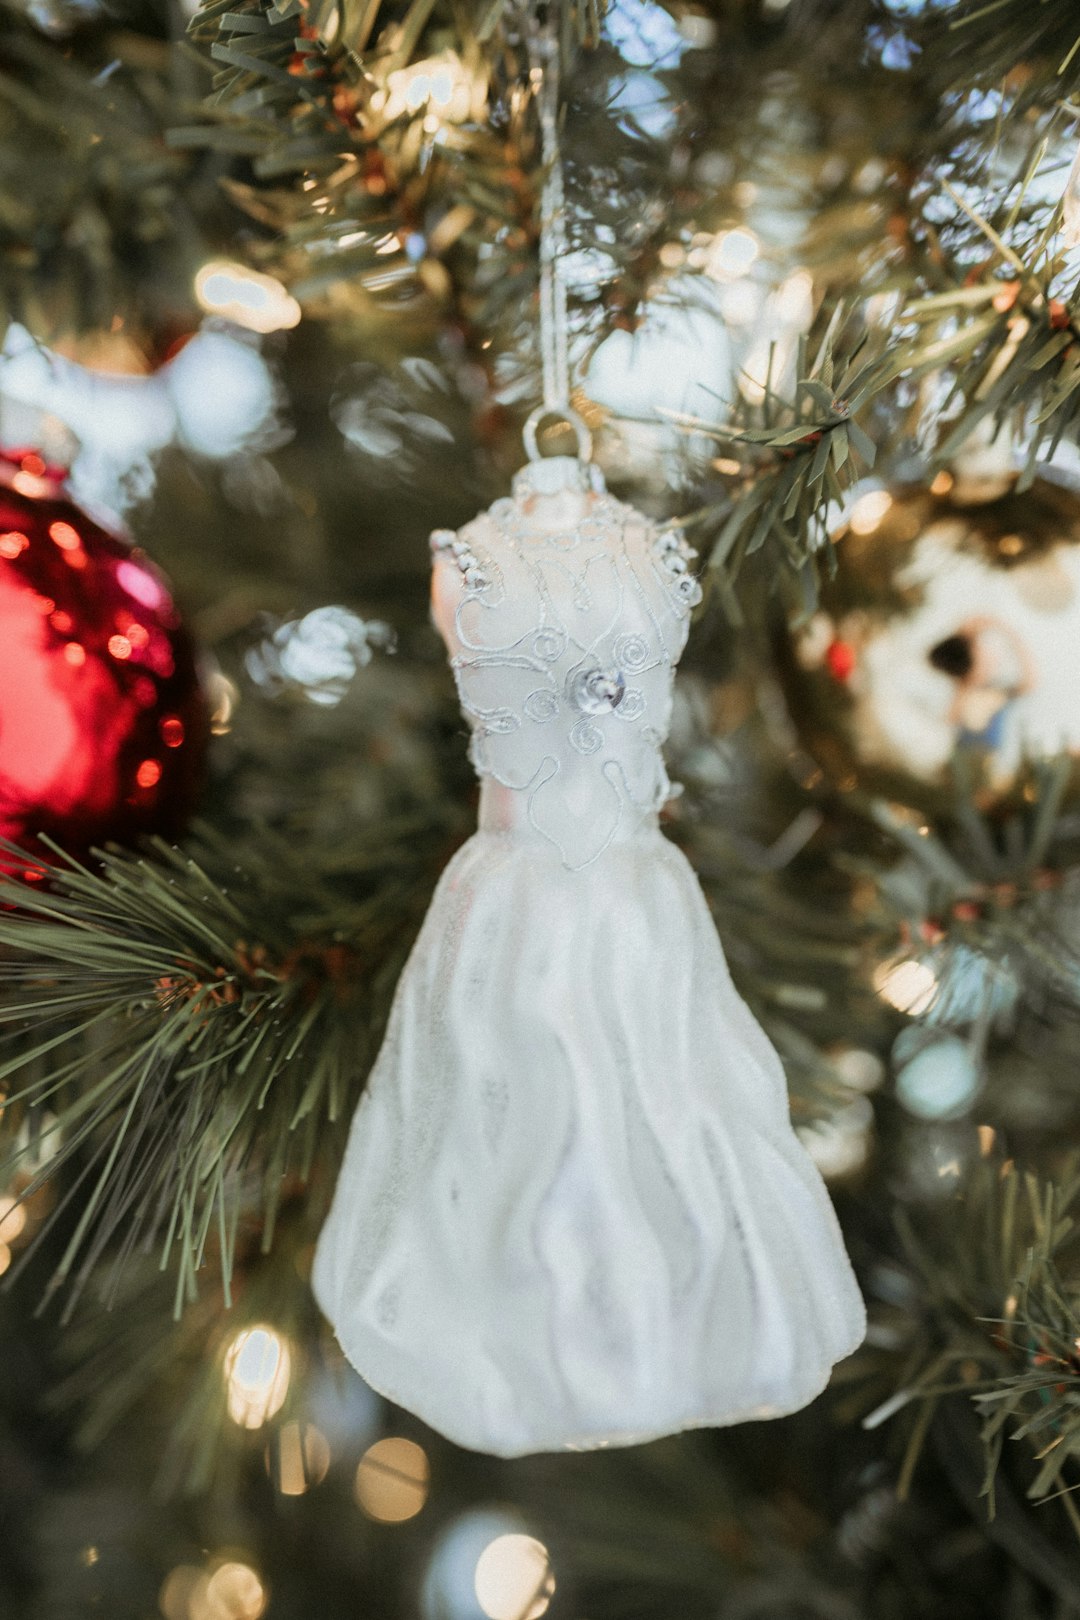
x,y
565,612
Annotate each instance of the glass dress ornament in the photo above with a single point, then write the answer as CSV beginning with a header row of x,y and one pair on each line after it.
x,y
573,1211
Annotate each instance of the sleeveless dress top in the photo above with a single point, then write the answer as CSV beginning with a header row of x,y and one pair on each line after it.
x,y
573,1211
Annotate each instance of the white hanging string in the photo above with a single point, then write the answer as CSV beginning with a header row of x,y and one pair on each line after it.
x,y
554,324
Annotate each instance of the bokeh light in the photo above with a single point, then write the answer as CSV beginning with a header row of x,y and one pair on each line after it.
x,y
226,1589
839,1144
441,84
869,510
246,297
514,1580
298,1458
178,1589
392,1480
937,1078
233,1592
12,1219
257,1371
733,254
858,1068
909,986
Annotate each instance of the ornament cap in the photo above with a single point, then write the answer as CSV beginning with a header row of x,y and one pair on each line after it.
x,y
553,474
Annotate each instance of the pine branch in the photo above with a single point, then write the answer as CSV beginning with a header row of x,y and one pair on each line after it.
x,y
801,451
984,898
193,1028
132,1364
96,216
1003,338
995,1315
1032,45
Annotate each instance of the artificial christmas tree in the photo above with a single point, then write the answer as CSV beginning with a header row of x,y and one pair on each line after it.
x,y
795,260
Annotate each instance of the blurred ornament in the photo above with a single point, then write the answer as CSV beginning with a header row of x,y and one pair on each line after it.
x,y
103,721
233,1592
214,397
937,1076
951,627
973,986
318,655
399,421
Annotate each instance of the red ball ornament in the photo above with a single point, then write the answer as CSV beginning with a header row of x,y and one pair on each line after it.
x,y
103,720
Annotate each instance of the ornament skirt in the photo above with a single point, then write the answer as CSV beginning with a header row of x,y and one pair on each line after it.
x,y
573,1211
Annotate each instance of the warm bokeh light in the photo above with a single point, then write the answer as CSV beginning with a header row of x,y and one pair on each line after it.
x,y
227,1589
514,1579
298,1458
233,1592
246,297
442,85
909,986
392,1480
257,1370
12,1219
869,510
178,1590
224,696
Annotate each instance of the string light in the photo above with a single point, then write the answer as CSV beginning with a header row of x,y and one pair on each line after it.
x,y
442,83
257,1371
869,510
302,1458
224,695
514,1579
911,987
177,1590
392,1480
246,297
12,1220
227,1589
233,1592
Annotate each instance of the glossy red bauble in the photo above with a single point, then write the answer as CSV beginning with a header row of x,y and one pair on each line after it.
x,y
103,720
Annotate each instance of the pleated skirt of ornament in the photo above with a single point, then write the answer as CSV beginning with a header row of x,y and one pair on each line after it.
x,y
573,1211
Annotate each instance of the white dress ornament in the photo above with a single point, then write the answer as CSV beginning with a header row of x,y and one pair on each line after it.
x,y
573,1211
